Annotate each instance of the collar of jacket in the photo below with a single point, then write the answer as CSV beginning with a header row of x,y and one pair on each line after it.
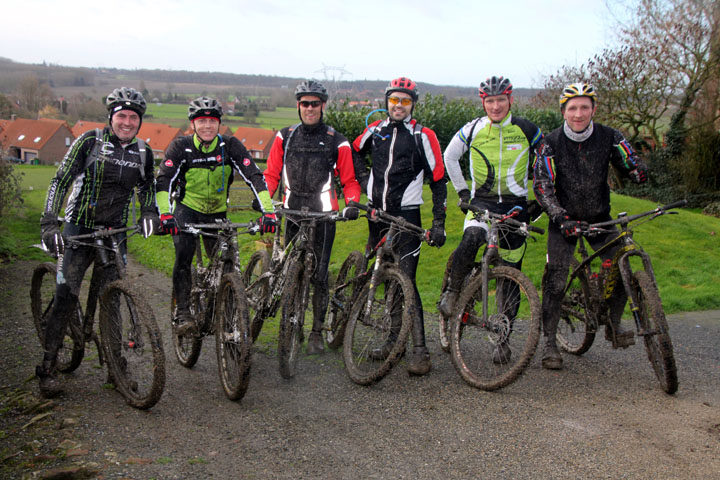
x,y
202,147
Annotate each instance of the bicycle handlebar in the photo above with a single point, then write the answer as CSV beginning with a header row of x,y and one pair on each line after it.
x,y
105,232
197,228
375,213
622,219
501,218
307,214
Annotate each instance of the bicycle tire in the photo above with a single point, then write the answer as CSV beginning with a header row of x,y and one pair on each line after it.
x,y
292,318
233,341
576,329
444,327
132,344
652,319
187,347
341,301
514,316
42,298
393,300
255,291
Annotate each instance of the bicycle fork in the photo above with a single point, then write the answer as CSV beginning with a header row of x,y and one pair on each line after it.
x,y
626,274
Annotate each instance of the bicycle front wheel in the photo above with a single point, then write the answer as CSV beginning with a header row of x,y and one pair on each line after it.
x,y
42,298
490,353
255,291
577,327
340,302
232,336
294,304
378,327
132,344
654,330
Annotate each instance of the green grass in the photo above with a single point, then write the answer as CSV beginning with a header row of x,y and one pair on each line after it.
x,y
176,115
684,248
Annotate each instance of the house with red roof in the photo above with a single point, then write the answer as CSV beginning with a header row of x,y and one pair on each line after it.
x,y
257,140
43,141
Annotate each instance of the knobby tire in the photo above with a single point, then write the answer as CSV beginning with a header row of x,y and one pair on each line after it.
x,y
341,301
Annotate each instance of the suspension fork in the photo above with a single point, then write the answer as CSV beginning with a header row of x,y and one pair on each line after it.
x,y
375,275
626,274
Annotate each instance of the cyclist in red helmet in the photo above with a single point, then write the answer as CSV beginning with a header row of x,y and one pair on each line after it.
x,y
571,185
502,151
404,154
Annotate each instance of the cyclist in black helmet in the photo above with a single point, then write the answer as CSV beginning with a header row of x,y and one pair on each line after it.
x,y
404,153
307,157
571,185
193,187
103,168
502,152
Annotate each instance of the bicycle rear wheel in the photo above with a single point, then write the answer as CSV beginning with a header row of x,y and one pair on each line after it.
x,y
490,354
654,330
42,298
577,326
340,301
256,291
232,336
187,347
445,321
383,327
295,298
132,344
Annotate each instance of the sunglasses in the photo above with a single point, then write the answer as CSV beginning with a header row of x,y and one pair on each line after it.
x,y
308,104
402,101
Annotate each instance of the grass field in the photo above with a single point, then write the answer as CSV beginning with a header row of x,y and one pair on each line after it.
x,y
176,115
685,248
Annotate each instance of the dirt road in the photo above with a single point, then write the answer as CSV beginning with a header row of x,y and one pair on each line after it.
x,y
603,416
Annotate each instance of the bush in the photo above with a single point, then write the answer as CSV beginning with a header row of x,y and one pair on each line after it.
x,y
10,191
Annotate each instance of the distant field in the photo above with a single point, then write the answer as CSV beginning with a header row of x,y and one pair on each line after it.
x,y
176,115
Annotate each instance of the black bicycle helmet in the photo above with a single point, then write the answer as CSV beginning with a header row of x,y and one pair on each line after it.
x,y
126,98
311,87
204,107
495,86
402,84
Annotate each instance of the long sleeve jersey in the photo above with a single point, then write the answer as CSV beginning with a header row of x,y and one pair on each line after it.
x,y
102,188
199,176
306,159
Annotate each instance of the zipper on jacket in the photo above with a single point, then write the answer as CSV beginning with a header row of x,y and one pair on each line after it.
x,y
499,172
387,170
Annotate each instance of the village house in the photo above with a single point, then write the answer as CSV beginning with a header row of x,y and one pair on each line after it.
x,y
42,141
257,140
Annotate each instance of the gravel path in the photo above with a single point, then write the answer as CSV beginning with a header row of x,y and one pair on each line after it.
x,y
604,416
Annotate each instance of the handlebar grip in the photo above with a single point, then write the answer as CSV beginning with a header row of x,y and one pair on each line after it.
x,y
669,206
535,229
361,206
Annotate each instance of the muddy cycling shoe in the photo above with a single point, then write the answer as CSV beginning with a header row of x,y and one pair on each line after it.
x,y
315,344
551,358
501,354
447,303
623,338
420,362
49,384
184,325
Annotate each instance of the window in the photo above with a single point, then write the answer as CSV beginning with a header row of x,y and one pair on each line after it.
x,y
22,135
68,140
37,140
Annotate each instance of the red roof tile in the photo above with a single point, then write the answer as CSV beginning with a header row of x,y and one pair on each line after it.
x,y
255,138
31,134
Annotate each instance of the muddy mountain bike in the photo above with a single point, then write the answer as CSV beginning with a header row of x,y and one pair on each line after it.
x,y
371,307
219,306
283,279
129,343
495,326
585,303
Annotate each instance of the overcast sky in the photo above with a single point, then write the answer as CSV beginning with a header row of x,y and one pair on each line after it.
x,y
444,42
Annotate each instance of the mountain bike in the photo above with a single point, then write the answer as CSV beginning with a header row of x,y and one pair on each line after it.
x,y
219,306
129,343
283,279
495,326
585,303
371,307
